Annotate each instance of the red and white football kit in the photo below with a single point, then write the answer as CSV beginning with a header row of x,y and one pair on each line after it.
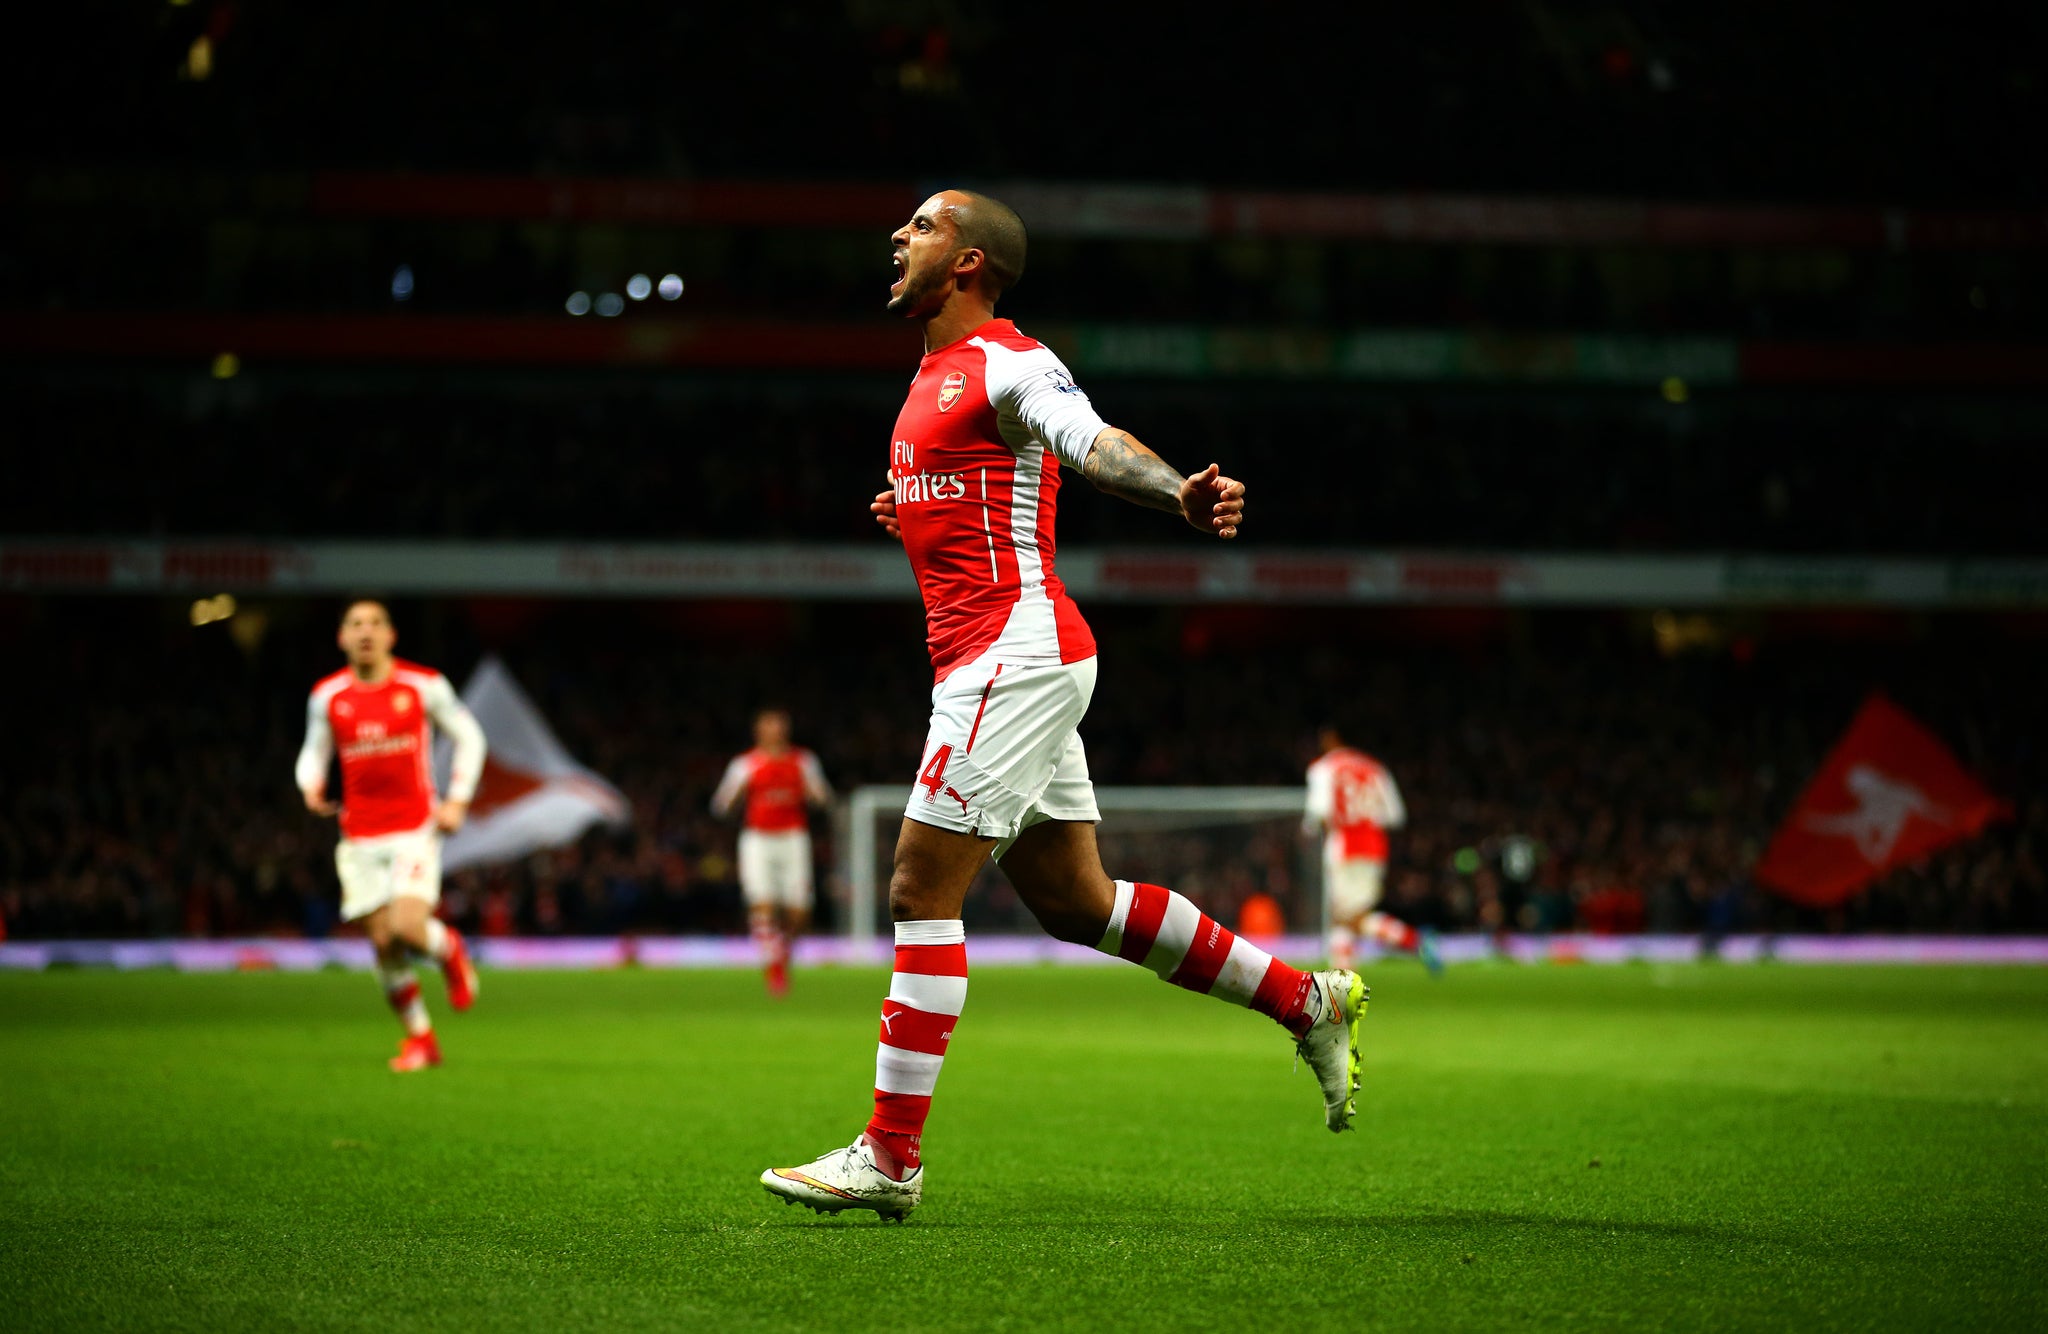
x,y
975,463
775,837
1353,801
389,847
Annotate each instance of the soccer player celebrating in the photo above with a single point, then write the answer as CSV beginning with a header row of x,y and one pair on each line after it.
x,y
389,858
780,782
1352,803
974,466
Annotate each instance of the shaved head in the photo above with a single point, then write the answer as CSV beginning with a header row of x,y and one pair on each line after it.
x,y
982,222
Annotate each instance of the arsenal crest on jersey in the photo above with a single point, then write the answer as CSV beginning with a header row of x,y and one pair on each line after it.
x,y
949,392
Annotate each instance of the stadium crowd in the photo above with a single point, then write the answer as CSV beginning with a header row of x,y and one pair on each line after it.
x,y
1559,772
637,459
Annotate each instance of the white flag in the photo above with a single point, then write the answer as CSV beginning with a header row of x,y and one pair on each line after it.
x,y
533,795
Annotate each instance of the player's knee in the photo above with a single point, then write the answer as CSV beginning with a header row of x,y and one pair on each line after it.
x,y
909,901
933,871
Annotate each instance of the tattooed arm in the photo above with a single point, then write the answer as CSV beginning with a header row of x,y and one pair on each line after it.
x,y
1034,388
1120,466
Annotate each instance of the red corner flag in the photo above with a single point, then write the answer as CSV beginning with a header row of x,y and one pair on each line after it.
x,y
1889,793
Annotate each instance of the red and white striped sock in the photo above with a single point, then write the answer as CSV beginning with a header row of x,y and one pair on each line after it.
x,y
1342,945
402,993
437,939
1392,932
1162,930
925,999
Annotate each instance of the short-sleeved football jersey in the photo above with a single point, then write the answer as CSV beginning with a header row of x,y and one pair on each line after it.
x,y
975,464
380,730
778,787
1354,797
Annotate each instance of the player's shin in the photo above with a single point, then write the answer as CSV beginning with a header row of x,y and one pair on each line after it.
x,y
926,995
1163,931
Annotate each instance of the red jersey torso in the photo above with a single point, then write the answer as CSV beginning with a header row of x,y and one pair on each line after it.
x,y
381,733
975,462
1362,802
775,790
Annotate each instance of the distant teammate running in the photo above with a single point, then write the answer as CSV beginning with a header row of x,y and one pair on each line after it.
x,y
781,783
1352,803
376,711
974,467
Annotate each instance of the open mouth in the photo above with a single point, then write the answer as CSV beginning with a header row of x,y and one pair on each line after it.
x,y
902,271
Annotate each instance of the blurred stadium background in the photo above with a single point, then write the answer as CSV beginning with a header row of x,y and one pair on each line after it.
x,y
1623,397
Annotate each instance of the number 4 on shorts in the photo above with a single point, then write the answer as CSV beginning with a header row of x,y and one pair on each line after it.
x,y
934,776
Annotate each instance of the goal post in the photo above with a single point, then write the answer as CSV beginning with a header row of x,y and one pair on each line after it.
x,y
1217,845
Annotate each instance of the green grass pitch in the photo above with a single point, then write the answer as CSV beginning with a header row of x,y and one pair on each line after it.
x,y
1640,1147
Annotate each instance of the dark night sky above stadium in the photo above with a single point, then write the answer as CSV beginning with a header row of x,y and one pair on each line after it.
x,y
1809,103
256,160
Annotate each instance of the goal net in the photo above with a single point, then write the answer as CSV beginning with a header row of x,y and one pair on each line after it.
x,y
1220,846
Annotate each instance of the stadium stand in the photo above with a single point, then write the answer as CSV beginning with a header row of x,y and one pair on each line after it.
x,y
1560,772
639,459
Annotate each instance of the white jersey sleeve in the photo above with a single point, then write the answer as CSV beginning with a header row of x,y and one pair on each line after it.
x,y
454,719
815,787
1034,389
317,752
1322,793
730,787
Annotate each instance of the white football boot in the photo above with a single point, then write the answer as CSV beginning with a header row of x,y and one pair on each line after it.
x,y
1331,1044
847,1179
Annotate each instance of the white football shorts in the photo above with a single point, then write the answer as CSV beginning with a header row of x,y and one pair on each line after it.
x,y
775,867
375,871
1004,750
1353,884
